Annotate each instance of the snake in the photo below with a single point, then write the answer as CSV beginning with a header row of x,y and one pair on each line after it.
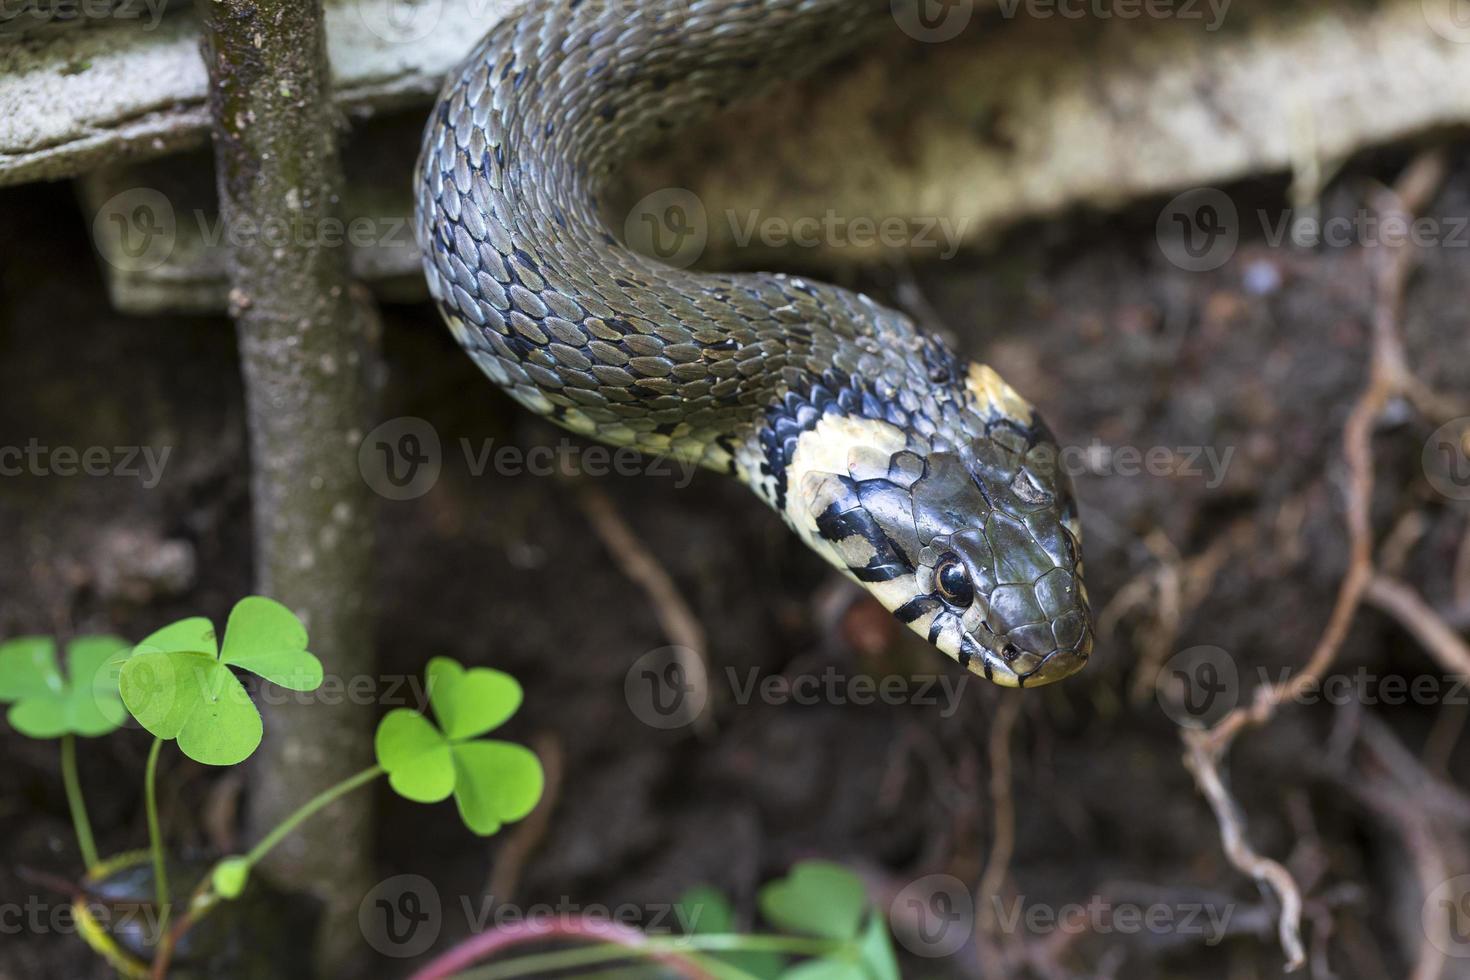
x,y
922,476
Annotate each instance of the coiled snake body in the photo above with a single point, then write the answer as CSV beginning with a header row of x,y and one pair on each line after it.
x,y
926,479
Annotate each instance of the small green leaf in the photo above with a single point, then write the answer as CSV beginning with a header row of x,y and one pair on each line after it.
x,y
704,911
492,782
85,702
95,706
158,688
826,968
818,898
231,876
38,718
191,697
225,728
495,783
28,668
876,950
415,756
469,703
178,683
195,635
266,638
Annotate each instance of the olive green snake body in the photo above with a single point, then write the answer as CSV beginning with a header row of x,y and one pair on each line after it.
x,y
923,477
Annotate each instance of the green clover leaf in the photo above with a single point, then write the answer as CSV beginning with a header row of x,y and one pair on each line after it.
x,y
826,968
493,783
49,705
823,899
818,898
704,911
178,683
876,949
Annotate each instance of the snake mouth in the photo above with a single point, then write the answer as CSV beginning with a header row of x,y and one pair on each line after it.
x,y
1029,670
1037,654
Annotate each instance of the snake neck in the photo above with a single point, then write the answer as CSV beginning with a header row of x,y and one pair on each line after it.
x,y
601,339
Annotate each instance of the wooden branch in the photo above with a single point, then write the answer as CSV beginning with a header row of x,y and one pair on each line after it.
x,y
308,347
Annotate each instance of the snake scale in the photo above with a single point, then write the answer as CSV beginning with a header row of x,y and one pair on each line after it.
x,y
925,478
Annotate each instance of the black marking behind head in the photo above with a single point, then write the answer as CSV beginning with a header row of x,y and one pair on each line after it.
x,y
888,561
802,407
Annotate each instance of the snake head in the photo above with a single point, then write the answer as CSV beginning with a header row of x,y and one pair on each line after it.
x,y
998,581
975,547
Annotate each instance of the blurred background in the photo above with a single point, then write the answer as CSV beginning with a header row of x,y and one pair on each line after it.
x,y
1224,247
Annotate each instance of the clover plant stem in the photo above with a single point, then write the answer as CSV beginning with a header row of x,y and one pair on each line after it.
x,y
323,799
524,966
76,803
155,836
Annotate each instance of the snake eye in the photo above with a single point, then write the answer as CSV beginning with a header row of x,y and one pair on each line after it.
x,y
953,581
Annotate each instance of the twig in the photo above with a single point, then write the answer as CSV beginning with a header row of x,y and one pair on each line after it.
x,y
1003,842
1202,765
677,619
1391,795
1440,743
1462,570
1388,377
1002,802
1404,604
528,834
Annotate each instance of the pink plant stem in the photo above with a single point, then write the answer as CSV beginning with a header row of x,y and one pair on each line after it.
x,y
481,947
